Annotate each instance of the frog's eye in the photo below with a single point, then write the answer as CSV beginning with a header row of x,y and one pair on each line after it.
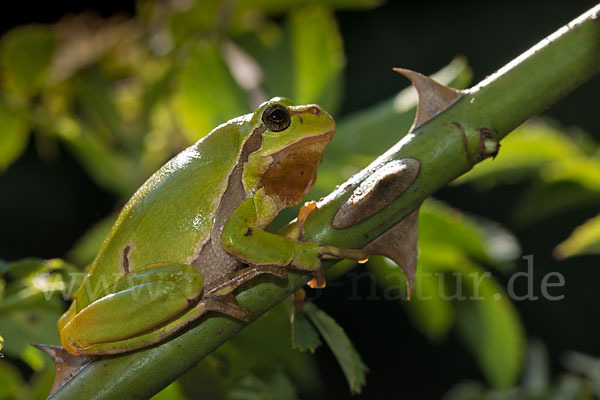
x,y
276,117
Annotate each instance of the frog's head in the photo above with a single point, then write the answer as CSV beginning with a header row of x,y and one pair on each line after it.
x,y
286,147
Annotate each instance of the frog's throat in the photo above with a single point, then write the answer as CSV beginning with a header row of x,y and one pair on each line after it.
x,y
292,171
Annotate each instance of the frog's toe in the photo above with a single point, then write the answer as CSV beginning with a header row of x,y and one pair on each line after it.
x,y
319,281
228,305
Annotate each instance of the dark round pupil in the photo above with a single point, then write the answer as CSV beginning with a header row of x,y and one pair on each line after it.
x,y
278,115
276,118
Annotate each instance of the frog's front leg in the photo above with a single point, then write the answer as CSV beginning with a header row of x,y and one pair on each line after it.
x,y
243,237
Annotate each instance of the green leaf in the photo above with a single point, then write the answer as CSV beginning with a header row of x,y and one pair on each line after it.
x,y
11,381
537,375
582,170
486,319
318,56
266,344
491,329
40,384
96,104
341,346
431,314
108,167
206,94
25,55
543,200
20,329
276,7
585,239
305,63
304,335
443,224
171,392
14,135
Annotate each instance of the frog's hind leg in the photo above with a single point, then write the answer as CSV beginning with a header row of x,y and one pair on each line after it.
x,y
228,283
219,295
228,305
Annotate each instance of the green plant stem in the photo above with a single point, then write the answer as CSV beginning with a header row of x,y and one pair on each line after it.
x,y
447,146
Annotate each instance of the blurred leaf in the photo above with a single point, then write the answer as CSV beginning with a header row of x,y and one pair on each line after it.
x,y
582,170
542,200
585,239
11,381
537,374
430,313
98,108
257,363
108,167
318,57
341,346
40,384
304,335
276,7
491,328
197,16
266,345
35,283
171,392
206,93
249,388
25,267
572,388
443,224
466,391
86,248
25,55
23,328
14,135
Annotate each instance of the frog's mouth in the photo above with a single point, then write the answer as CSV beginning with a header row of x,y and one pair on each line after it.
x,y
293,170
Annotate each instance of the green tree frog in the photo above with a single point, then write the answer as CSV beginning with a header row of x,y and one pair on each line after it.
x,y
195,231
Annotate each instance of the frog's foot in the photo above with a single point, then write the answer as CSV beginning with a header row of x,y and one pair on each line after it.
x,y
228,283
227,305
319,280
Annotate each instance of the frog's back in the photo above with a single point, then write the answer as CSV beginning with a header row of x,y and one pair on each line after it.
x,y
170,216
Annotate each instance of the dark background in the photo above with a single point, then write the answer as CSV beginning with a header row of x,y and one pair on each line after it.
x,y
45,207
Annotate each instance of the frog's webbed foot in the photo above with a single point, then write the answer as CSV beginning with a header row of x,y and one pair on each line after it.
x,y
219,294
227,305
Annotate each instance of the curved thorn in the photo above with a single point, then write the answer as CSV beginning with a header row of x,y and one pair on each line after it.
x,y
433,96
66,364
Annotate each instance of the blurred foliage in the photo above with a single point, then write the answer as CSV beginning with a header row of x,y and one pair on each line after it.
x,y
125,94
580,381
584,240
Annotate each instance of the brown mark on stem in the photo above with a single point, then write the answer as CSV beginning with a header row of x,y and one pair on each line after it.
x,y
470,162
377,192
